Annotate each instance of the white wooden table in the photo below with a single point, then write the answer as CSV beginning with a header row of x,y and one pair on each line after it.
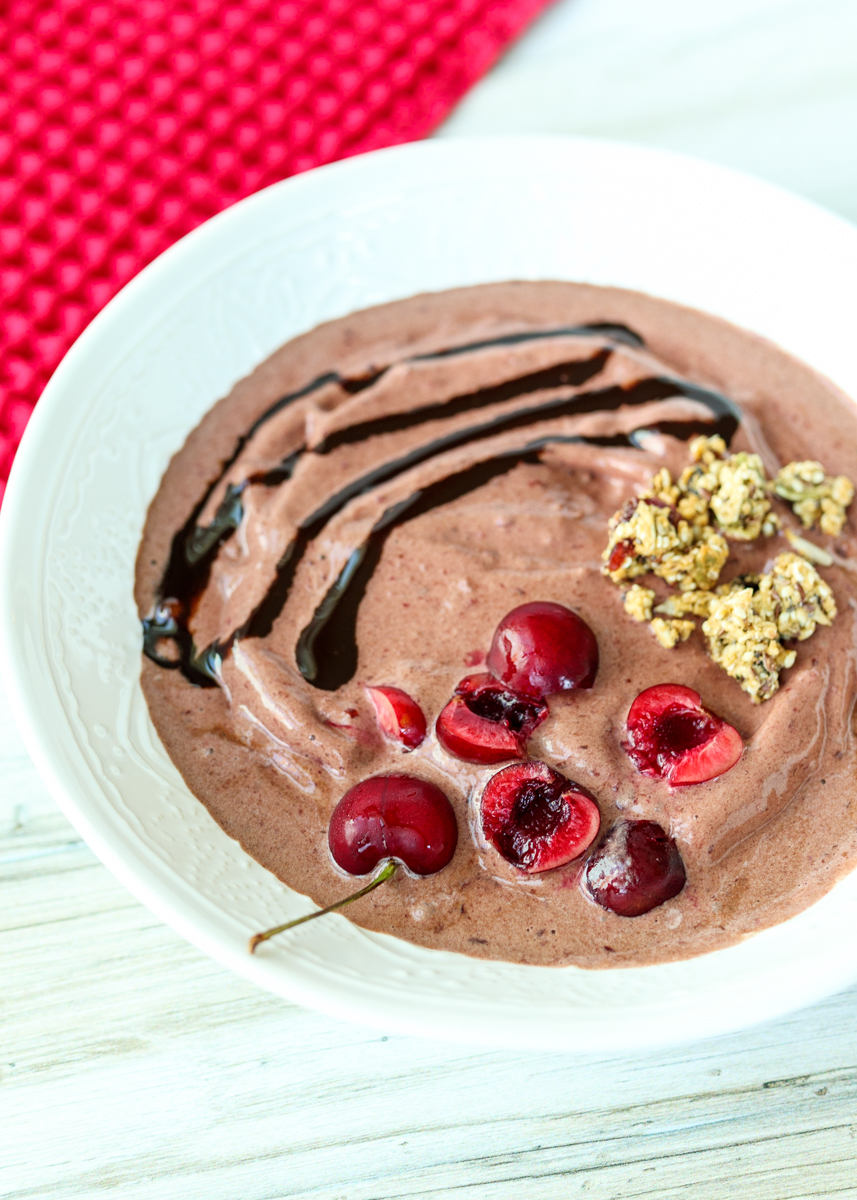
x,y
132,1067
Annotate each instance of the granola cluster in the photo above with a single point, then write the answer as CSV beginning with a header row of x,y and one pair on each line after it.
x,y
670,632
816,498
638,602
735,487
743,639
798,597
670,530
666,534
677,531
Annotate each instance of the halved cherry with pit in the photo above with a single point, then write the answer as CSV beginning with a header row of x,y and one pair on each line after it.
x,y
486,722
672,736
390,819
536,818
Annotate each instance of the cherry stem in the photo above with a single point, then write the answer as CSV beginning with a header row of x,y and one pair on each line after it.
x,y
388,871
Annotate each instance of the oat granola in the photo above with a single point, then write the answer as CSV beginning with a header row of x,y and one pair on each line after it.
x,y
640,535
746,627
676,529
699,566
814,496
638,602
649,536
735,487
695,603
670,632
743,639
801,598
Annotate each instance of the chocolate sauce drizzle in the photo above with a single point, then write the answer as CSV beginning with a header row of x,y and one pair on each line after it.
x,y
195,547
572,373
326,652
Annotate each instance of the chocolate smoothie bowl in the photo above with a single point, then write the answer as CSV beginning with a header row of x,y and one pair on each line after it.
x,y
343,562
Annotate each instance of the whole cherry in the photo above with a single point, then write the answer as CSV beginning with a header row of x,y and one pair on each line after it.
x,y
671,736
486,722
393,816
635,869
541,648
536,818
397,819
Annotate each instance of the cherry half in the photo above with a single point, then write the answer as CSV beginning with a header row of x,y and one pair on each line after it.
x,y
541,648
486,722
671,736
399,716
635,869
536,818
391,818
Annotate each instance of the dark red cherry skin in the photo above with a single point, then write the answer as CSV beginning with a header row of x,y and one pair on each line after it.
x,y
635,869
393,816
536,818
672,736
399,716
542,648
487,723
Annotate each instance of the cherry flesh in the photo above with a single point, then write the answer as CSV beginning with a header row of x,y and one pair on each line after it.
x,y
399,716
393,816
635,869
541,648
671,736
536,818
486,722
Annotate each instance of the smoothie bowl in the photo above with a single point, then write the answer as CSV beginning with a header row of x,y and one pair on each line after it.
x,y
459,451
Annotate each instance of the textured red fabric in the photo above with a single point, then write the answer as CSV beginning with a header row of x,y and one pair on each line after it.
x,y
125,123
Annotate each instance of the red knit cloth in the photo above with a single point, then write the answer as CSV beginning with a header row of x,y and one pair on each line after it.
x,y
125,123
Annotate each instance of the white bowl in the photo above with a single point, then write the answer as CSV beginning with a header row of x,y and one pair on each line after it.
x,y
384,226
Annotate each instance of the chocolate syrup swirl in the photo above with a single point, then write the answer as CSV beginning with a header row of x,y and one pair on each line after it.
x,y
326,652
572,373
351,385
614,331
